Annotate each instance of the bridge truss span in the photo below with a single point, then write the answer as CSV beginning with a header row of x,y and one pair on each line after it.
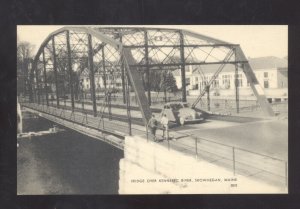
x,y
97,65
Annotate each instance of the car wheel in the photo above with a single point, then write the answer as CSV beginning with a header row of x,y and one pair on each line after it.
x,y
182,121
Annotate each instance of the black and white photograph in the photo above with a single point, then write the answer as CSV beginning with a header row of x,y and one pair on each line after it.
x,y
152,109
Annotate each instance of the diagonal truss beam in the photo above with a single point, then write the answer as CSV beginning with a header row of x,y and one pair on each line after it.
x,y
137,85
206,38
257,89
228,56
132,67
86,30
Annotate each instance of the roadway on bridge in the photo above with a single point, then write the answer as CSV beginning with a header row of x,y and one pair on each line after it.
x,y
266,136
216,140
269,137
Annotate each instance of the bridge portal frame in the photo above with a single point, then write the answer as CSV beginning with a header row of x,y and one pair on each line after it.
x,y
114,36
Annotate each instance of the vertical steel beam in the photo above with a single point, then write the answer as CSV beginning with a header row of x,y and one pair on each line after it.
x,y
70,69
45,77
128,106
123,80
208,98
30,83
182,66
34,83
33,87
34,66
236,74
165,86
92,74
63,86
103,66
147,65
55,71
123,75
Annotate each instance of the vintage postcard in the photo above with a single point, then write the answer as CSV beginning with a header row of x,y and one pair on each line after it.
x,y
166,109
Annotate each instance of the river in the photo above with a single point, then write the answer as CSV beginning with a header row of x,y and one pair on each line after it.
x,y
65,163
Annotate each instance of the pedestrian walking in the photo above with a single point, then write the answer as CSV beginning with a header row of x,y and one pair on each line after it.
x,y
152,124
165,123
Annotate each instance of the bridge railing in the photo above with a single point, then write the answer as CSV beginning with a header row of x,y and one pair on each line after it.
x,y
228,106
115,125
238,160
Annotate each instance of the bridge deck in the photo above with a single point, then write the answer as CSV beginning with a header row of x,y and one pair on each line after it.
x,y
185,139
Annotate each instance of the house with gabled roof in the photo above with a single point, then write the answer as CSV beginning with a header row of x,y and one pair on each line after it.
x,y
112,79
271,72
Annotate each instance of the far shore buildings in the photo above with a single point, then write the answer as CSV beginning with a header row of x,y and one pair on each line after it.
x,y
271,72
112,81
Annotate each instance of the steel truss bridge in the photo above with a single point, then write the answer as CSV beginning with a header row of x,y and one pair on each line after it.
x,y
118,62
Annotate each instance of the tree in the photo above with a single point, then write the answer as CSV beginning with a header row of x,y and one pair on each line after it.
x,y
24,57
24,50
155,80
160,80
63,77
170,82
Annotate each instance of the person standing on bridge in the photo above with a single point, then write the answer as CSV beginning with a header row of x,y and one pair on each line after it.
x,y
165,123
152,124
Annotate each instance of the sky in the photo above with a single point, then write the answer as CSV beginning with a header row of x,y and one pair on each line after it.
x,y
255,40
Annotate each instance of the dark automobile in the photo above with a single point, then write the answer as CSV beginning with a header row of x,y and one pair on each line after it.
x,y
181,112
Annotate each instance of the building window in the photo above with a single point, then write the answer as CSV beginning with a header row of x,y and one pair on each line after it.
x,y
187,81
215,84
196,79
266,84
226,81
265,74
239,80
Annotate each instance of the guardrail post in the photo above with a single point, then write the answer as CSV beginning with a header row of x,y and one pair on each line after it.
x,y
233,160
55,71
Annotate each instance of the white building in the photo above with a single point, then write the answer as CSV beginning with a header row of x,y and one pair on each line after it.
x,y
113,81
271,73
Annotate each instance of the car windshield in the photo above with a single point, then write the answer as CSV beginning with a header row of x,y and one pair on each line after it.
x,y
185,105
176,106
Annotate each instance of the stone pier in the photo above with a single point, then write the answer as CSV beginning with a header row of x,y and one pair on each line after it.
x,y
150,168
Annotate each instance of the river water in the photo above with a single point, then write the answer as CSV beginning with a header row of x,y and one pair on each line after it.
x,y
65,163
